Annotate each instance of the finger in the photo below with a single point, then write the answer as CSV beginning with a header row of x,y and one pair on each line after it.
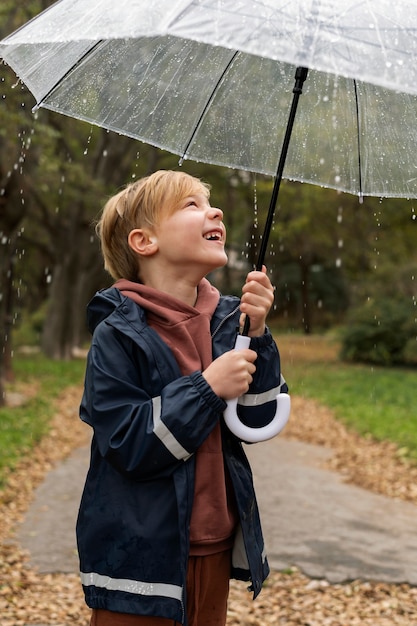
x,y
254,303
256,281
249,356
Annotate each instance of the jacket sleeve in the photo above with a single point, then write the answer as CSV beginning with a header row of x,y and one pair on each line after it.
x,y
142,427
257,407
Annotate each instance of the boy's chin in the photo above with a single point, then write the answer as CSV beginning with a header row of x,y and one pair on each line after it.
x,y
217,266
222,263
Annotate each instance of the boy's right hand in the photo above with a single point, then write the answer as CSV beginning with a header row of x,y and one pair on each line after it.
x,y
231,373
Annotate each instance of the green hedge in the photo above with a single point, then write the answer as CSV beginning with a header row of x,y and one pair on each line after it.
x,y
383,332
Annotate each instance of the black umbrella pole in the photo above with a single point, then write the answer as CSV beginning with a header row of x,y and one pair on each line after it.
x,y
300,77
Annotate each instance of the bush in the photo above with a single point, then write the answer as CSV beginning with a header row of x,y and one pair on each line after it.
x,y
383,332
28,330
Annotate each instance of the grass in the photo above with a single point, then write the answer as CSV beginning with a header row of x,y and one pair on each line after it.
x,y
375,401
39,381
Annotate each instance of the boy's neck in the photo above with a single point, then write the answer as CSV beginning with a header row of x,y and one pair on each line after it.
x,y
182,288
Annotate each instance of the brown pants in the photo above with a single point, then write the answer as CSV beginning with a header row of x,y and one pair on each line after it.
x,y
207,593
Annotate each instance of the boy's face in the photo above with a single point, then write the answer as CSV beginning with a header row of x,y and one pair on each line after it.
x,y
193,237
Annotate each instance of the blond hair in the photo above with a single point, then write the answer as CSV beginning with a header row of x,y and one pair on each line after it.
x,y
141,204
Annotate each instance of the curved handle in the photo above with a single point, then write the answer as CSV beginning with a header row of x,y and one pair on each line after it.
x,y
253,435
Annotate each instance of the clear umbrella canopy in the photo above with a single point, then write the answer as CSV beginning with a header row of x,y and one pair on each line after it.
x,y
210,80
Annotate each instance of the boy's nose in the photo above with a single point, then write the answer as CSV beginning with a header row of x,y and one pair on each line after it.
x,y
216,213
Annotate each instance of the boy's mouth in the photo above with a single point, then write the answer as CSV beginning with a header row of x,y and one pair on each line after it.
x,y
214,235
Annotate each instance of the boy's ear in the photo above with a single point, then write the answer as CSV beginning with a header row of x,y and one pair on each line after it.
x,y
142,242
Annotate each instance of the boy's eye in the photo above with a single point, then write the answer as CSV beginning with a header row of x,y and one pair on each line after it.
x,y
191,203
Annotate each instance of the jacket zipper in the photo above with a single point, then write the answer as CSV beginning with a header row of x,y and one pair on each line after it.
x,y
224,320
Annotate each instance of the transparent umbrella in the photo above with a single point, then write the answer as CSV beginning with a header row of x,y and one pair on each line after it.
x,y
210,80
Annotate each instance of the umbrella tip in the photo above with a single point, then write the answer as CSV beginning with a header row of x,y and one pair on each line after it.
x,y
360,197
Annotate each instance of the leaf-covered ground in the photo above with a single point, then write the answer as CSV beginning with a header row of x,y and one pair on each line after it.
x,y
289,598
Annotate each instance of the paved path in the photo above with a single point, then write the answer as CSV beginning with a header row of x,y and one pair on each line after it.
x,y
311,519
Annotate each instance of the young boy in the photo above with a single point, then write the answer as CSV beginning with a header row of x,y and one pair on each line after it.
x,y
168,512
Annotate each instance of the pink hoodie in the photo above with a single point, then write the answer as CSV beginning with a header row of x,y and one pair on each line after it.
x,y
186,330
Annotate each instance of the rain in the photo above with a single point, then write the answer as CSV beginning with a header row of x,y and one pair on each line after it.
x,y
341,252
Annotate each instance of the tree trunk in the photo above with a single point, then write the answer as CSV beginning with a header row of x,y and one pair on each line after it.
x,y
11,213
74,281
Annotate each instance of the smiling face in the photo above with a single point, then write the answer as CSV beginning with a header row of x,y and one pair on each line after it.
x,y
191,239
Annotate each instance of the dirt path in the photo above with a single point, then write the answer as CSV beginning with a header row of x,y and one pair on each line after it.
x,y
30,598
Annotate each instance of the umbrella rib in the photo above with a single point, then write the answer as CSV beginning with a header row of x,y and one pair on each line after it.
x,y
67,73
358,138
207,104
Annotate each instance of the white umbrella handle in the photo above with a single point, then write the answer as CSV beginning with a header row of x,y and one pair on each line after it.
x,y
253,435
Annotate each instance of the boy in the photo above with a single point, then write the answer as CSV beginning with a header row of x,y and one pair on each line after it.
x,y
168,512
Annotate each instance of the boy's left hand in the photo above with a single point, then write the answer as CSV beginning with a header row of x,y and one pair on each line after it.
x,y
257,299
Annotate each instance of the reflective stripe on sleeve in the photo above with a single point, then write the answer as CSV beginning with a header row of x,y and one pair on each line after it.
x,y
256,399
131,586
165,436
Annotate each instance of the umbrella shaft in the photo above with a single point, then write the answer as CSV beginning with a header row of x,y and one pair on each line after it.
x,y
300,77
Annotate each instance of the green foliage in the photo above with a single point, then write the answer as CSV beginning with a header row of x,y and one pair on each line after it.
x,y
28,329
327,290
410,351
22,427
379,331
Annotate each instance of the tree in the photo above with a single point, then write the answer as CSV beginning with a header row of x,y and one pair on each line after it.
x,y
16,166
328,244
85,165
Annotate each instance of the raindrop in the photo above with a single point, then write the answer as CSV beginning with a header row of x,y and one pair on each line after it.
x,y
338,263
88,141
255,203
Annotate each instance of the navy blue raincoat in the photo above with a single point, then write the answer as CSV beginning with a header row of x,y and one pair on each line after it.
x,y
148,421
